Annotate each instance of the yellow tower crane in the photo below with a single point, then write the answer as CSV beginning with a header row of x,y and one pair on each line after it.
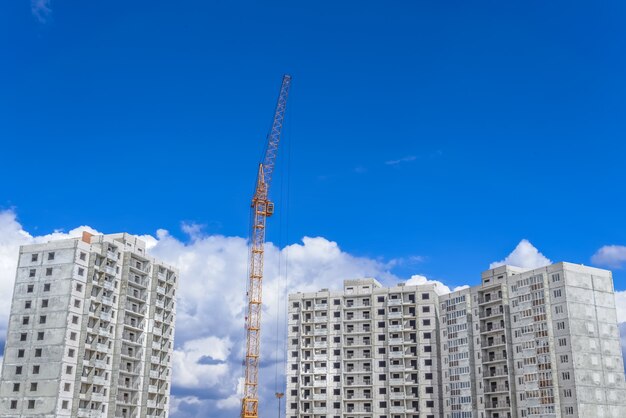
x,y
261,209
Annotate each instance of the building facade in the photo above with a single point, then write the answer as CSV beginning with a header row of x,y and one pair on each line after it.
x,y
90,332
523,343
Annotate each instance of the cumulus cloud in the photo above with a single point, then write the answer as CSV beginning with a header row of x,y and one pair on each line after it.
x,y
440,287
610,256
525,255
41,9
210,337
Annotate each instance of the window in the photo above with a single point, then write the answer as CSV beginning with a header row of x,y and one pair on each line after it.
x,y
73,336
567,393
49,271
40,336
556,277
81,271
562,342
31,404
23,336
42,319
428,349
34,257
429,389
382,377
427,335
381,312
337,302
76,303
70,352
557,293
13,404
44,303
337,339
16,387
82,256
69,369
426,322
18,370
36,369
74,319
425,296
37,352
79,287
64,404
33,387
51,256
382,391
30,288
565,375
430,404
569,410
428,376
27,304
428,362
46,287
560,325
32,272
425,309
25,320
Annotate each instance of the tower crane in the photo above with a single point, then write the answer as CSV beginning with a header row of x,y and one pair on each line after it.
x,y
261,209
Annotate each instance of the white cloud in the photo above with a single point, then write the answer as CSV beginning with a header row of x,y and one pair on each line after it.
x,y
407,159
610,256
211,300
525,255
41,9
440,288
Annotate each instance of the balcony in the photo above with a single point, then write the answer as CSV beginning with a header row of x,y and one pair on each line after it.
x,y
397,395
98,380
109,270
497,388
155,359
157,331
396,354
109,285
112,255
160,304
152,388
400,381
321,306
319,383
395,328
394,302
160,290
154,374
393,315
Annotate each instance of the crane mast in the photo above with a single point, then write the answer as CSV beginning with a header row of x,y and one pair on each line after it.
x,y
261,209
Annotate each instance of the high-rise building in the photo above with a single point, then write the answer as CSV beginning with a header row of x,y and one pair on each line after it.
x,y
90,332
364,351
524,343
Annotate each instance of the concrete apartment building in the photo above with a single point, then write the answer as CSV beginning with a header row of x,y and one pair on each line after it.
x,y
523,343
90,332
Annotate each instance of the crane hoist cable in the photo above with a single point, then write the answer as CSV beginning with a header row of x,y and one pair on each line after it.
x,y
261,208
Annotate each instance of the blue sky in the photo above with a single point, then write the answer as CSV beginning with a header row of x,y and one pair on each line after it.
x,y
437,134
